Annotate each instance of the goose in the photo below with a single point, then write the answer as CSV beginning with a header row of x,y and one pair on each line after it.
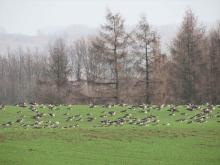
x,y
130,107
103,116
78,115
157,121
162,106
183,113
57,122
143,106
88,114
52,114
104,106
2,107
157,107
207,110
181,120
33,103
69,108
65,114
54,126
70,118
119,122
189,122
19,120
122,105
19,112
109,105
191,107
91,105
79,119
112,113
50,107
22,104
25,125
33,108
218,115
89,119
38,122
49,122
36,117
8,124
40,114
105,121
127,115
154,120
123,111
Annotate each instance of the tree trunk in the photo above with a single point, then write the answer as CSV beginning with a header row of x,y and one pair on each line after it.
x,y
146,76
116,77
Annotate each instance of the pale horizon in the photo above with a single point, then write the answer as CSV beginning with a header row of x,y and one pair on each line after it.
x,y
27,17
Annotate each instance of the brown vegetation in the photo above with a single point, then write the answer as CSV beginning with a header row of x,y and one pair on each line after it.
x,y
117,66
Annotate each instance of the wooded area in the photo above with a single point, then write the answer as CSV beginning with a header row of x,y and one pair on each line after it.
x,y
117,66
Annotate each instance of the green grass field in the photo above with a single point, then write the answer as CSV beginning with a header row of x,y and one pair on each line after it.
x,y
77,134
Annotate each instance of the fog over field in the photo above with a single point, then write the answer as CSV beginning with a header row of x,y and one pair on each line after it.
x,y
33,24
70,33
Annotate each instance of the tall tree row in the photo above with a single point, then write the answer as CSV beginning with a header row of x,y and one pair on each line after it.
x,y
213,59
187,53
118,66
20,71
144,42
112,41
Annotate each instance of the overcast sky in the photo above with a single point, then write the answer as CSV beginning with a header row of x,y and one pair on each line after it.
x,y
27,16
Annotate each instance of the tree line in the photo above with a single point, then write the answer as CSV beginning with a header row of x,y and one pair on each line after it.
x,y
118,66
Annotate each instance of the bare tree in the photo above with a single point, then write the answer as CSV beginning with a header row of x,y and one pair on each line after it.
x,y
158,74
113,42
144,41
186,53
78,51
20,70
59,64
213,64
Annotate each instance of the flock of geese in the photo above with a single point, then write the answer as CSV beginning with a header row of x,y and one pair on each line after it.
x,y
44,116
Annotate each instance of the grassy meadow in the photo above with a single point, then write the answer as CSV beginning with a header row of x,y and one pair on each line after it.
x,y
104,135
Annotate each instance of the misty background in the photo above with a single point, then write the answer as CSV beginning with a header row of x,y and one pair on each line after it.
x,y
32,24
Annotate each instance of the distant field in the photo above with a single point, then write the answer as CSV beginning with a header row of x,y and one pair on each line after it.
x,y
127,135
